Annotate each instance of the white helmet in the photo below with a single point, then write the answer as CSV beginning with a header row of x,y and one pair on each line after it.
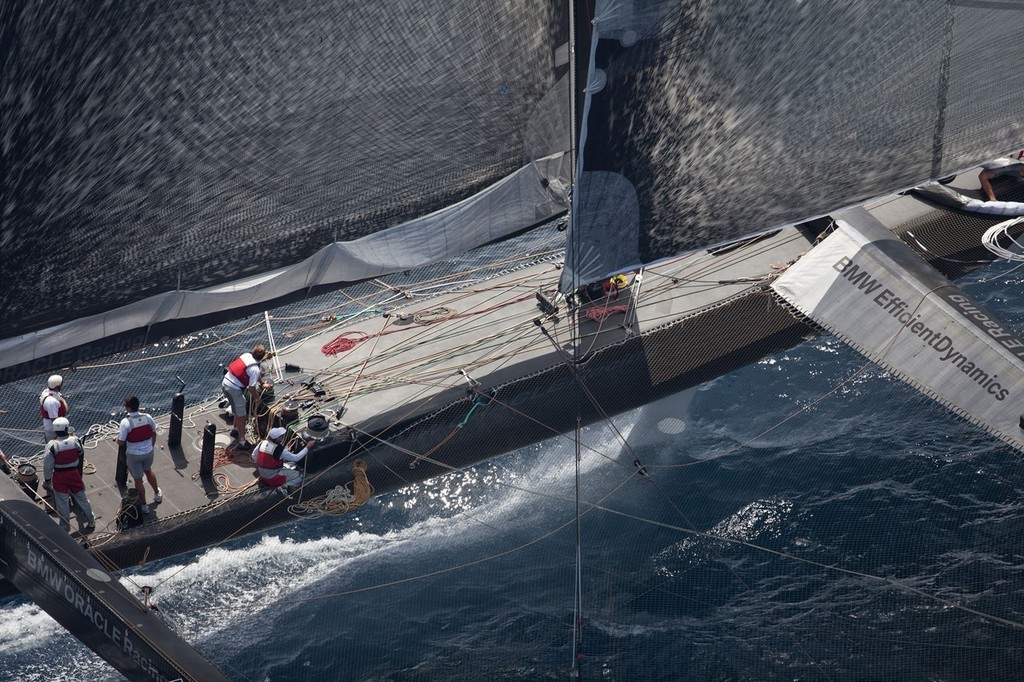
x,y
55,381
60,424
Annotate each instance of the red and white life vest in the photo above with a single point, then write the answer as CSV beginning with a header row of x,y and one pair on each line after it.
x,y
139,428
62,411
66,453
239,366
268,455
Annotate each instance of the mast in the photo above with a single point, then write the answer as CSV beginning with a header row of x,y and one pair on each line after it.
x,y
943,97
577,73
572,99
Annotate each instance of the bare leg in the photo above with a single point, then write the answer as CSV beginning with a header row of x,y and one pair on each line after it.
x,y
985,178
140,487
151,477
240,427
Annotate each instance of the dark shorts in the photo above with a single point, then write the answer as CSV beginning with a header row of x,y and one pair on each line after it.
x,y
1011,169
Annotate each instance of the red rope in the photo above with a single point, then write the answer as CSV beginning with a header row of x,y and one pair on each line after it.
x,y
602,313
344,342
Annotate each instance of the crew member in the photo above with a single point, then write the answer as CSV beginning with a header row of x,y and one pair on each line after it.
x,y
62,473
52,405
243,376
138,434
270,456
998,168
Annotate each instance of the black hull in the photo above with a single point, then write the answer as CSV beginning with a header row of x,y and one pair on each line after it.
x,y
45,563
460,430
620,377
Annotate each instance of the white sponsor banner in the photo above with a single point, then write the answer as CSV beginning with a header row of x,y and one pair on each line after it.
x,y
869,289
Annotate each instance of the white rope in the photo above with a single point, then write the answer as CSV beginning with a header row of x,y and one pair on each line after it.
x,y
990,240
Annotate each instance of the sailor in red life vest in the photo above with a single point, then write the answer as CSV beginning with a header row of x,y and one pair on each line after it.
x,y
270,456
52,405
243,376
138,433
62,471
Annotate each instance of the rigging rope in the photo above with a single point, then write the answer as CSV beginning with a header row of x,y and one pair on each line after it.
x,y
421,457
223,456
341,499
171,354
681,529
643,520
819,564
344,342
99,538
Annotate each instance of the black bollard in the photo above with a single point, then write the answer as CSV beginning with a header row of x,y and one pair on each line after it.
x,y
206,458
121,468
177,414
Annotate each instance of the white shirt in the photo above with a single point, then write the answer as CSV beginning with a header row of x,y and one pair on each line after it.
x,y
286,454
51,405
254,371
142,447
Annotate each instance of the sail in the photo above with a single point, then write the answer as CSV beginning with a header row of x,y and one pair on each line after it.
x,y
152,147
706,121
513,202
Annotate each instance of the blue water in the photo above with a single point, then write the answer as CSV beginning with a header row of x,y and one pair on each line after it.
x,y
871,522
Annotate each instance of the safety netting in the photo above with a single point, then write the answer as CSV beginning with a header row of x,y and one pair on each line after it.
x,y
802,515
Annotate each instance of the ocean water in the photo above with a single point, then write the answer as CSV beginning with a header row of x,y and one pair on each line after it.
x,y
806,518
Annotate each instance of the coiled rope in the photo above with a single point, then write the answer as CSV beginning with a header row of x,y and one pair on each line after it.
x,y
338,500
602,313
344,342
990,240
222,457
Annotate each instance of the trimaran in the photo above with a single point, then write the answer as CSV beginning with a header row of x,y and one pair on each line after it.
x,y
718,203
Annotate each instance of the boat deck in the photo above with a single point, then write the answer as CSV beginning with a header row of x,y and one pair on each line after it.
x,y
363,375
